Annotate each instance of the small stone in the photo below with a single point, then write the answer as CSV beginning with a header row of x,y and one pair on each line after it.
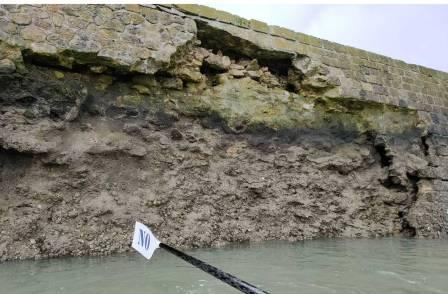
x,y
114,24
176,135
58,19
141,89
43,23
43,48
41,13
7,66
7,27
132,129
103,14
21,18
82,43
254,74
218,62
236,66
133,7
98,68
129,17
164,141
302,64
222,78
59,75
172,83
253,65
137,151
237,73
201,53
190,75
269,79
151,15
30,113
33,33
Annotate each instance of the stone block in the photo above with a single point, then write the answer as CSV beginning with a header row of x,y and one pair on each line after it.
x,y
307,39
33,33
21,18
259,26
301,48
199,10
238,21
282,32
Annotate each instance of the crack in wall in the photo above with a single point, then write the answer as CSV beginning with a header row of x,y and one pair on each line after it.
x,y
409,184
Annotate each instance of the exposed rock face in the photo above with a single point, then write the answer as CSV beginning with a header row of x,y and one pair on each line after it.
x,y
133,38
218,62
207,127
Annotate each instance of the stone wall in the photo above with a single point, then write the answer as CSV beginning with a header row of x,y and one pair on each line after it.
x,y
101,36
124,37
363,75
209,128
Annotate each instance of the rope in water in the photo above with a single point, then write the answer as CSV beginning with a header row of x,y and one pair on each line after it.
x,y
217,273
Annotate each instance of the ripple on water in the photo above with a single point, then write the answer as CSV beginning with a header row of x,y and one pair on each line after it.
x,y
390,265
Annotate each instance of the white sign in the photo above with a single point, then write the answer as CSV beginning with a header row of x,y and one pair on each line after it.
x,y
144,241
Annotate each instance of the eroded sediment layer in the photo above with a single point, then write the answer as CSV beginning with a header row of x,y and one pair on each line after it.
x,y
152,116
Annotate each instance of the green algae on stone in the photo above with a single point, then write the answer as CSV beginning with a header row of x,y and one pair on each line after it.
x,y
369,115
130,100
58,74
102,82
11,55
245,103
141,89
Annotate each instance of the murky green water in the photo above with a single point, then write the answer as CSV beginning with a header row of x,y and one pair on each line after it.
x,y
322,266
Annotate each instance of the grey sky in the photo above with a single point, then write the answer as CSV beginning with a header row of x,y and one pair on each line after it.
x,y
413,33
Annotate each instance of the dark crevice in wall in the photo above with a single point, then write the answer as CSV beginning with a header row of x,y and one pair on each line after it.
x,y
406,229
384,153
13,165
11,157
413,180
236,48
394,182
88,60
425,145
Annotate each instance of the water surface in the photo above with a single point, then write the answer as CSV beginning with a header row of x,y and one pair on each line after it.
x,y
322,266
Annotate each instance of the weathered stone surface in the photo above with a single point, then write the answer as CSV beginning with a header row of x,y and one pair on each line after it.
x,y
237,73
122,111
7,66
218,62
253,65
115,37
172,83
33,33
21,18
254,74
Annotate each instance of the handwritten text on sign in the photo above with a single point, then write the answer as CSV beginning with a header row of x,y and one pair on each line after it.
x,y
144,241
